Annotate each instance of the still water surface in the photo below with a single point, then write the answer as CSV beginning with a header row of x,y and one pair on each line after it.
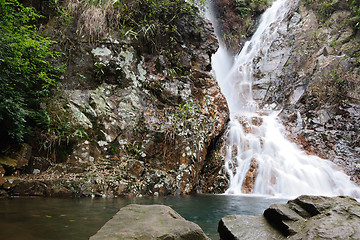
x,y
78,219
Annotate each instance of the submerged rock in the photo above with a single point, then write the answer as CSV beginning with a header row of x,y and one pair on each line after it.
x,y
149,222
306,217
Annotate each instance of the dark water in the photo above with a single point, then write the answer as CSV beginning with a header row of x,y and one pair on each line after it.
x,y
78,219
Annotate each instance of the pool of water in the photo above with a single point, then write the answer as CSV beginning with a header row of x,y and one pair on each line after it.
x,y
78,219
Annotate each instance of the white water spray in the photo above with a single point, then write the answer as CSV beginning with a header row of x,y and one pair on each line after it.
x,y
259,159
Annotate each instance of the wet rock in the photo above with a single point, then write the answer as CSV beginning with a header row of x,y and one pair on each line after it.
x,y
8,162
29,188
306,217
9,182
213,177
149,222
136,168
38,164
316,217
2,171
248,185
2,181
237,21
23,156
238,227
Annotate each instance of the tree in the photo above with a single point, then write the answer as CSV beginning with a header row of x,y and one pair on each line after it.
x,y
26,70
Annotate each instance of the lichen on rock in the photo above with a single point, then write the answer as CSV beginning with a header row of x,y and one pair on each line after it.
x,y
139,120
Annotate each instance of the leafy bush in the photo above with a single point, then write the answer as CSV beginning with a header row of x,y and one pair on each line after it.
x,y
26,71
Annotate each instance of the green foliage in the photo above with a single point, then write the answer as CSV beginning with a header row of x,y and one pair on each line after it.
x,y
245,7
355,7
323,7
333,43
26,71
154,23
327,7
59,130
242,7
185,114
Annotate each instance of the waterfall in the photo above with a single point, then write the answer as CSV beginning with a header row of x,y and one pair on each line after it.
x,y
259,159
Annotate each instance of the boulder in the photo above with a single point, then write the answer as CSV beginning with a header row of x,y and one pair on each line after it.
x,y
306,217
319,217
236,227
148,222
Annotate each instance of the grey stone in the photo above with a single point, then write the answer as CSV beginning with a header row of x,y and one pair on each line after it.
x,y
306,217
237,227
324,218
149,222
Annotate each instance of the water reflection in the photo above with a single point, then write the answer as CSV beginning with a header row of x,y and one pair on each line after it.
x,y
78,219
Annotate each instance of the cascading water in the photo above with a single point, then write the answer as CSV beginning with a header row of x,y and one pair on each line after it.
x,y
259,159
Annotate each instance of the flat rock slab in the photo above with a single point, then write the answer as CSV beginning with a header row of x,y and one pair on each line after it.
x,y
149,222
238,227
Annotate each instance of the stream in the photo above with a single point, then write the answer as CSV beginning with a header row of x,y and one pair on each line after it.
x,y
78,219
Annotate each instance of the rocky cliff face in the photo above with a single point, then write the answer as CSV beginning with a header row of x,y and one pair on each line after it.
x,y
236,20
311,75
136,121
318,85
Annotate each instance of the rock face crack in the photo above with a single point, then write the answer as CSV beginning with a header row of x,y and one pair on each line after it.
x,y
282,218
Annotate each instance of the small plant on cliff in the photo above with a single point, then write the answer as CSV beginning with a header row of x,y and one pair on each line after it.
x,y
355,6
60,132
333,86
26,73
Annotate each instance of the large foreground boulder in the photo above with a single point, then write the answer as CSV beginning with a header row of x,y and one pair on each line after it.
x,y
149,222
306,217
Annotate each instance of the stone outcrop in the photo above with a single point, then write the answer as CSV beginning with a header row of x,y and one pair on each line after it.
x,y
306,217
12,165
149,222
236,20
311,74
129,122
318,90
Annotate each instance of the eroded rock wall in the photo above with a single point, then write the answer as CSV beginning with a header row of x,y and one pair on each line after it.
x,y
311,75
142,125
318,88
